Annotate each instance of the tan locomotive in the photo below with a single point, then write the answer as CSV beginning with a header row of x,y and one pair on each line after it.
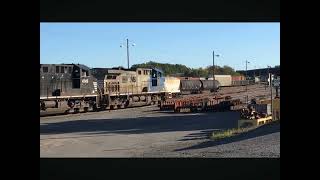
x,y
143,86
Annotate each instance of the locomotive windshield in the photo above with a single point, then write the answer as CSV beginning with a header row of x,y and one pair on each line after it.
x,y
156,73
111,77
76,77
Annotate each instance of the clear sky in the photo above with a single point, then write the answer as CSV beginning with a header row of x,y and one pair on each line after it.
x,y
191,44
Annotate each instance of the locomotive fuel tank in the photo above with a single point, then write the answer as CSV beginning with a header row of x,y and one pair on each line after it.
x,y
48,104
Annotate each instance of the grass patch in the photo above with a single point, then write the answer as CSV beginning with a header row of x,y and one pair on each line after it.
x,y
218,135
229,133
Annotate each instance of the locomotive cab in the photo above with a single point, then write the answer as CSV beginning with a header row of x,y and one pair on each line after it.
x,y
157,81
143,79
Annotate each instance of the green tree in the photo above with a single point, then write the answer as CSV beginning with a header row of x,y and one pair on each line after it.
x,y
179,69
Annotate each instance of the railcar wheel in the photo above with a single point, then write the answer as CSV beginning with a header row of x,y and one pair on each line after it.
x,y
126,104
66,112
193,110
94,108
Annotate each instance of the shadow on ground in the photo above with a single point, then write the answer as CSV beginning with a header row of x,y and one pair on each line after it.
x,y
176,122
260,131
204,134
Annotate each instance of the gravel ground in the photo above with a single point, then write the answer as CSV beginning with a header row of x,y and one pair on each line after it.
x,y
148,132
261,142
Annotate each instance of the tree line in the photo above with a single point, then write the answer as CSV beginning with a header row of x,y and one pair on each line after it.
x,y
182,70
176,70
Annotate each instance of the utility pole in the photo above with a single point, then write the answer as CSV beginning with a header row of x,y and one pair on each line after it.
x,y
61,83
128,52
270,83
271,94
213,66
276,84
247,81
277,91
127,45
213,78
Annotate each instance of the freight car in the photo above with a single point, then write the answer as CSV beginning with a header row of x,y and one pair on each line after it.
x,y
228,80
198,86
224,80
243,82
193,85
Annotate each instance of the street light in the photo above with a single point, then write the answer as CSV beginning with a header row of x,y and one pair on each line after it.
x,y
247,62
127,45
213,55
217,55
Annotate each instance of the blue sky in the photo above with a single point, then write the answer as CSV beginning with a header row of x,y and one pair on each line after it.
x,y
191,44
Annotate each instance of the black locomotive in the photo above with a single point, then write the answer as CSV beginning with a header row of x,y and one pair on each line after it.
x,y
66,86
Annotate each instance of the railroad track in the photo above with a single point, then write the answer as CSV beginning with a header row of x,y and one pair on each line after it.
x,y
61,113
234,92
